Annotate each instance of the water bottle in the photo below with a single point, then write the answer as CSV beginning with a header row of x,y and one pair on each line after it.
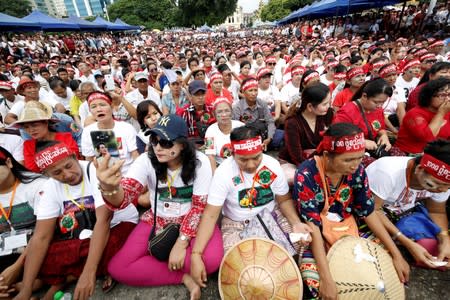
x,y
60,295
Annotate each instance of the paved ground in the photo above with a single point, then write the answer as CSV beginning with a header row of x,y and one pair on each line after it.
x,y
424,285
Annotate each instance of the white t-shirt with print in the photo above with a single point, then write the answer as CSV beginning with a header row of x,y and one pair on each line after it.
x,y
270,95
55,200
290,93
135,97
180,201
406,86
387,180
229,186
390,106
26,197
217,143
126,139
63,101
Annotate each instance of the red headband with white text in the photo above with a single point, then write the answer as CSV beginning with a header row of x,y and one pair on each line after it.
x,y
247,147
436,168
348,143
51,155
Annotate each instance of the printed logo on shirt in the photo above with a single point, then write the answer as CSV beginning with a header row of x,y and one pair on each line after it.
x,y
21,217
259,197
376,125
76,217
176,194
119,143
226,151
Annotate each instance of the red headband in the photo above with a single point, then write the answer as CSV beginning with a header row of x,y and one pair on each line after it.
x,y
250,84
436,168
221,100
247,147
388,70
340,76
428,56
2,155
411,63
271,59
333,64
349,143
98,95
310,77
298,70
51,155
378,65
216,76
354,72
437,44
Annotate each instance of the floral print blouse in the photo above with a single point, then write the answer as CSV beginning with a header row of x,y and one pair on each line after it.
x,y
353,196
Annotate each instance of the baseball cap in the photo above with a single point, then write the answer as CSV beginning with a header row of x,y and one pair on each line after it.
x,y
196,85
5,85
170,127
140,75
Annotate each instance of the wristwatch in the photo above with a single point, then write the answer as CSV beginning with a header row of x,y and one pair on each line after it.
x,y
183,237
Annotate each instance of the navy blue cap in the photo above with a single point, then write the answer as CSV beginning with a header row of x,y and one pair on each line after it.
x,y
170,127
197,85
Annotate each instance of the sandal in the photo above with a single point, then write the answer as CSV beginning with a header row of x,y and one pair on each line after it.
x,y
108,284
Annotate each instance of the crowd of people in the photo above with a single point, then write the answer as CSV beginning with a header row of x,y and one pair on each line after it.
x,y
313,126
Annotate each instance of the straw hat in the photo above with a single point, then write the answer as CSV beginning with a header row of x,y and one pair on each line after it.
x,y
372,275
258,268
35,111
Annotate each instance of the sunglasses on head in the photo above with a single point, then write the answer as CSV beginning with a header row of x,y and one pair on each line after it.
x,y
165,144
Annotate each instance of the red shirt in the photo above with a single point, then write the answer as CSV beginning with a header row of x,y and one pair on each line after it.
x,y
413,98
343,97
210,97
29,149
350,113
414,133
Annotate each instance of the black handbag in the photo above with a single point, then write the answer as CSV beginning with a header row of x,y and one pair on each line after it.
x,y
381,149
160,245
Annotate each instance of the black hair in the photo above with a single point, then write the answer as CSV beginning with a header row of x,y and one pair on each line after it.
x,y
313,94
256,53
244,63
55,82
307,72
74,84
218,59
43,70
188,158
42,145
355,59
3,77
190,60
247,131
430,89
340,68
166,65
61,70
142,111
223,67
439,149
19,171
372,88
339,130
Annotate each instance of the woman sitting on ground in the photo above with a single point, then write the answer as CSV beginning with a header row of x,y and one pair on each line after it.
x,y
179,176
332,188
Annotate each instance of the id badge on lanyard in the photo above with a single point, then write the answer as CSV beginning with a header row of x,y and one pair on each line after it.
x,y
13,241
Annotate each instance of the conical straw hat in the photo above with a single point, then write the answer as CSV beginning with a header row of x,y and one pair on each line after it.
x,y
363,270
259,269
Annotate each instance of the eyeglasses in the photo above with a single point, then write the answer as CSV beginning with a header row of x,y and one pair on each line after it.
x,y
442,95
429,61
271,64
165,144
151,70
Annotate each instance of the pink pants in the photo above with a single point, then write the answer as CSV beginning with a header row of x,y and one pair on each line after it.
x,y
132,265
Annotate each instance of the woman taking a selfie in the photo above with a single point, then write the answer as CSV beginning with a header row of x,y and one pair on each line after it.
x,y
180,175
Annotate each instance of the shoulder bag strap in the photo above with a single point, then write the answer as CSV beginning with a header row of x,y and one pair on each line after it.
x,y
369,129
152,234
88,169
321,168
265,227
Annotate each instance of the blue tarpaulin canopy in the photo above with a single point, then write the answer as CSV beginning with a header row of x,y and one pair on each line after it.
x,y
85,25
110,25
9,23
330,8
48,23
131,27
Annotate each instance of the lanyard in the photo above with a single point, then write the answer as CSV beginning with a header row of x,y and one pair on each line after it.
x,y
69,196
11,201
170,180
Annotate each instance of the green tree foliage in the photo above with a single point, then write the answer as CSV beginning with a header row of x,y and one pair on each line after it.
x,y
199,12
150,13
277,9
15,8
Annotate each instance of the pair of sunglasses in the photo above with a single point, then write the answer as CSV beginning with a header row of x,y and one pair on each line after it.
x,y
165,144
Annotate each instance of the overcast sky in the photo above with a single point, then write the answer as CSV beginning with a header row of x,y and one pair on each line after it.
x,y
249,5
